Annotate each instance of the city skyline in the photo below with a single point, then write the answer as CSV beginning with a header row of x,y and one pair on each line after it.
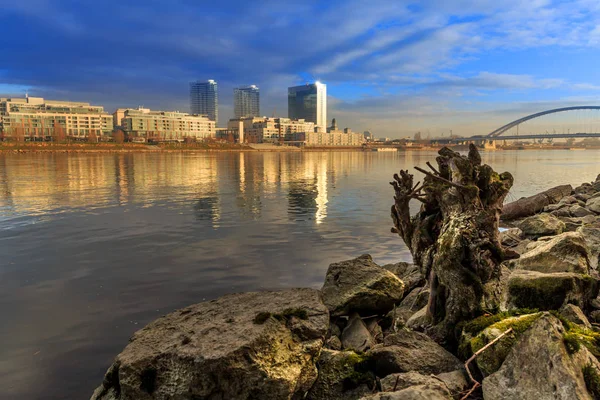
x,y
392,68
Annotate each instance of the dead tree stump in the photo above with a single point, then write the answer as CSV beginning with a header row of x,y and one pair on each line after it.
x,y
454,237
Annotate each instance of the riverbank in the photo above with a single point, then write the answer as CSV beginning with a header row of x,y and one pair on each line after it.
x,y
233,147
369,332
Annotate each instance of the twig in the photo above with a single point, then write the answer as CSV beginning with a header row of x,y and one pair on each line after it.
x,y
439,178
396,384
476,384
433,168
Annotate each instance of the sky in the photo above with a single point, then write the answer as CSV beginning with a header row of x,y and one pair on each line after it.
x,y
392,67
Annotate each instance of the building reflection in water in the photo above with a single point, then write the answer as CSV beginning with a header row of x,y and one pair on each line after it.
x,y
213,183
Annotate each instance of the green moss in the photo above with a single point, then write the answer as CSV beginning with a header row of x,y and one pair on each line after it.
x,y
565,323
285,315
586,337
479,324
571,343
592,380
544,292
490,360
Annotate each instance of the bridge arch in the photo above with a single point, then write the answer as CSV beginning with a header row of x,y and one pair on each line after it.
x,y
516,122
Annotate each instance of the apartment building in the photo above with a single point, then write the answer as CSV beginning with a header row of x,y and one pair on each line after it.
x,y
36,118
166,125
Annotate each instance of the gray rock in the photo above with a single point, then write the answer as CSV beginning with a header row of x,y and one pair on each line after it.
x,y
579,211
412,351
522,247
374,329
541,225
552,207
566,252
561,212
568,200
511,237
530,289
409,274
356,336
456,381
573,314
337,377
539,367
582,197
430,391
402,380
224,349
360,286
591,235
419,320
595,316
333,343
593,204
492,358
412,303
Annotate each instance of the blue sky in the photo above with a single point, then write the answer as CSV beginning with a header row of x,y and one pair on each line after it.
x,y
391,66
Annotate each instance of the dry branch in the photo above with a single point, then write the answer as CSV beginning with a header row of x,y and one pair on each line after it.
x,y
476,383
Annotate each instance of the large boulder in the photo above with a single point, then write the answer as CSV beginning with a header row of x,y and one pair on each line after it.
x,y
241,346
409,274
531,289
541,225
429,391
360,286
342,376
540,367
412,351
566,252
356,335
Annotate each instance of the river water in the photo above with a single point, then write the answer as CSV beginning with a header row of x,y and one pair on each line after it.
x,y
95,246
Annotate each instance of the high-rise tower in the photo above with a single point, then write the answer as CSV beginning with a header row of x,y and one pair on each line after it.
x,y
309,102
204,99
246,102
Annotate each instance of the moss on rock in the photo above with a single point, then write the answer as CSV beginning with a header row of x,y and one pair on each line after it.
x,y
492,358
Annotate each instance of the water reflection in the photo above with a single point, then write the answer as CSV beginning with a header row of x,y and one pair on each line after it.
x,y
95,246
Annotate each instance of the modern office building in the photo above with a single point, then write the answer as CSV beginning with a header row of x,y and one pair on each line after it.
x,y
204,99
309,102
246,102
166,125
37,118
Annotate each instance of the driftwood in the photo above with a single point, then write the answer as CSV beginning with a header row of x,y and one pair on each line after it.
x,y
454,237
531,205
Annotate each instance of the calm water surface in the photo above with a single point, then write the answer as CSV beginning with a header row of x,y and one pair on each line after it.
x,y
95,246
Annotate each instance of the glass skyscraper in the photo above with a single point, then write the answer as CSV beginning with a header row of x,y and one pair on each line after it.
x,y
204,99
246,102
309,102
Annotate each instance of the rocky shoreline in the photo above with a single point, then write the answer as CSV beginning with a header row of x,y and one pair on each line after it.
x,y
367,334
